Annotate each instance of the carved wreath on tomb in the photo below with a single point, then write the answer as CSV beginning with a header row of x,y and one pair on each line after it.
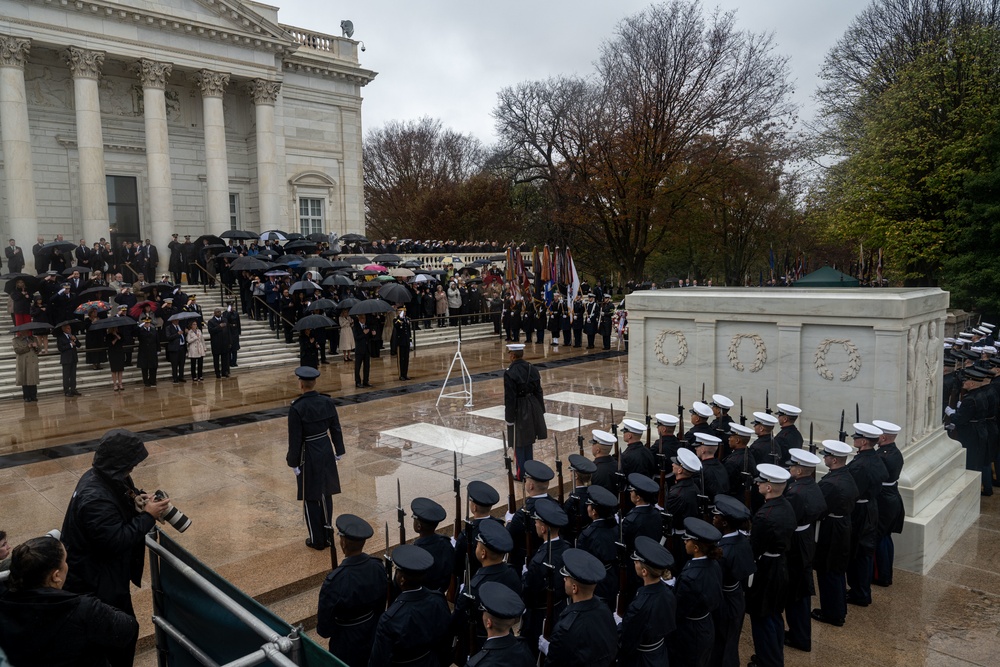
x,y
853,359
682,347
760,358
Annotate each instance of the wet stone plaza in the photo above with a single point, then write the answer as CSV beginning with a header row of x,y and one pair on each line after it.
x,y
219,448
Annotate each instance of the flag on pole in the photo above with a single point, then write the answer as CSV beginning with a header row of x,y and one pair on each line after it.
x,y
574,277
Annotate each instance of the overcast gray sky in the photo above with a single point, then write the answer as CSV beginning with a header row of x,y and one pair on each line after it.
x,y
447,59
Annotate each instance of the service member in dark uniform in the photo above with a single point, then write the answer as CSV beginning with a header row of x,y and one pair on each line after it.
x,y
636,457
869,472
520,524
427,514
700,414
789,436
833,542
524,406
764,448
667,441
600,539
741,463
403,335
771,539
809,504
414,629
493,543
975,424
313,435
699,593
607,467
481,497
682,499
737,562
67,344
148,356
714,473
650,618
890,504
585,632
642,519
542,572
501,609
721,405
575,506
352,596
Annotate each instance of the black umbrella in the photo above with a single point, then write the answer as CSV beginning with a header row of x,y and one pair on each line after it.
x,y
346,238
301,244
370,285
411,264
387,258
72,323
151,286
56,245
367,272
369,306
304,286
97,293
227,255
338,280
341,264
32,326
313,322
294,236
185,315
356,259
319,237
395,293
348,303
211,238
480,262
237,234
322,304
331,252
31,282
81,269
110,322
316,263
269,252
249,264
497,258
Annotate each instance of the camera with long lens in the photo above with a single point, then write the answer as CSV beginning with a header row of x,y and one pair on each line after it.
x,y
173,516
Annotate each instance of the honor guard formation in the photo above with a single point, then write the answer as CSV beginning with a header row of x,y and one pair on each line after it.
x,y
659,550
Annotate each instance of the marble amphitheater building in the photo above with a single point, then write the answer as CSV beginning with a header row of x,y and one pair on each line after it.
x,y
136,119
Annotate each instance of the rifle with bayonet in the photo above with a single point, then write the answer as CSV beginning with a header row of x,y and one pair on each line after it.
x,y
743,417
623,563
843,433
388,568
649,419
550,595
400,514
702,392
812,444
328,529
579,432
857,413
747,477
661,499
614,428
704,502
767,401
559,472
473,611
453,580
680,415
511,498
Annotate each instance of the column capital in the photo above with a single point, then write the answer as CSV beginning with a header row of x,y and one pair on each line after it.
x,y
84,64
152,74
211,84
14,51
264,92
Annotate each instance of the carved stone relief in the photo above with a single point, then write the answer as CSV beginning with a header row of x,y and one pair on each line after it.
x,y
682,347
853,359
760,352
46,90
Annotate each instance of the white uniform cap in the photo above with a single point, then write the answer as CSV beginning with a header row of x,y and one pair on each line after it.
x,y
707,439
965,334
987,325
803,457
740,429
789,410
634,426
722,401
514,347
765,419
687,459
887,427
981,332
768,472
604,438
667,420
949,340
836,448
702,409
990,349
862,430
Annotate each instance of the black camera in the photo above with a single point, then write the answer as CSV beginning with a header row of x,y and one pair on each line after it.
x,y
173,516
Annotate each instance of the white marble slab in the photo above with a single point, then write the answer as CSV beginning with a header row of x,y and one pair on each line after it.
x,y
590,400
558,423
463,442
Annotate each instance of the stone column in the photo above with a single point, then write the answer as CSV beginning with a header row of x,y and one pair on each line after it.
x,y
153,77
86,69
265,95
21,215
213,87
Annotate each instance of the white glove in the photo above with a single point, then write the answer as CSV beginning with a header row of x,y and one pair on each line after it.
x,y
524,570
461,589
453,544
508,517
618,619
297,470
509,423
949,410
543,645
339,457
669,582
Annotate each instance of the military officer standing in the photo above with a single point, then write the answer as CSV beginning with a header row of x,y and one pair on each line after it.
x,y
869,472
600,539
427,514
524,406
542,571
501,609
771,539
890,503
700,414
520,524
667,441
714,473
575,506
975,425
765,450
788,437
584,633
699,593
833,542
741,462
414,629
607,467
403,335
642,634
721,405
482,497
809,504
352,596
313,436
636,457
737,562
682,499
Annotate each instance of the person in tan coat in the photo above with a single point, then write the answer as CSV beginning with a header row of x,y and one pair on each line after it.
x,y
26,348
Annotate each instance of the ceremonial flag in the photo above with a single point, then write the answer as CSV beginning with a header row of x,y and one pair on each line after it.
x,y
574,277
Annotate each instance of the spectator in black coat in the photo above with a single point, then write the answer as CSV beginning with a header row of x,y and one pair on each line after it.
x,y
43,625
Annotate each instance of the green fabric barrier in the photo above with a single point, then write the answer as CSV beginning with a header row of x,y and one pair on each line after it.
x,y
213,628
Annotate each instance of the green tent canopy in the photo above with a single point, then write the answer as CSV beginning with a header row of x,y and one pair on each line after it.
x,y
826,277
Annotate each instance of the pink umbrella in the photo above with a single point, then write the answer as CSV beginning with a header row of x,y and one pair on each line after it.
x,y
376,267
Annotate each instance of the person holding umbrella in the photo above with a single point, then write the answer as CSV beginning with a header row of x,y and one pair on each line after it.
x,y
346,334
68,359
308,349
176,348
95,341
364,339
115,343
149,346
196,351
26,347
